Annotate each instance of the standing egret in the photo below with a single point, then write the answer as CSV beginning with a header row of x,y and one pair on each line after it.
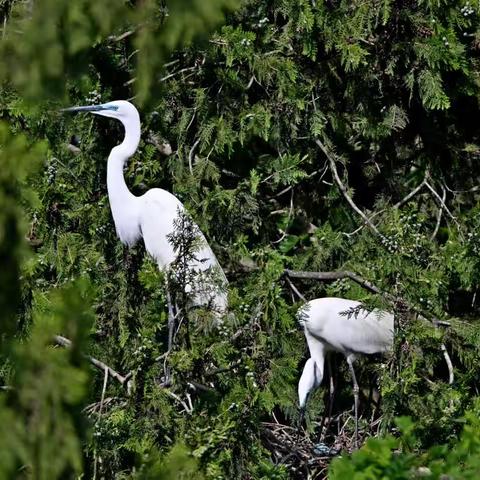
x,y
340,325
153,215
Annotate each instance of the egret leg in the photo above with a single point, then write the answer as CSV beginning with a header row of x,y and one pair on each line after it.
x,y
326,423
350,360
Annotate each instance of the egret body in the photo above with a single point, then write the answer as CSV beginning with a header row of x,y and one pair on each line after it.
x,y
336,324
153,214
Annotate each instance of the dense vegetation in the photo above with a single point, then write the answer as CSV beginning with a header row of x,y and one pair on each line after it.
x,y
321,136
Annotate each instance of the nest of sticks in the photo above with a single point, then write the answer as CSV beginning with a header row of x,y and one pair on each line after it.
x,y
309,456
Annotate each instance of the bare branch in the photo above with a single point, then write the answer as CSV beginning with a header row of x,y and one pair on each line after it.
x,y
439,215
216,371
329,276
124,380
192,153
178,72
448,362
411,194
294,289
179,400
343,189
123,36
442,204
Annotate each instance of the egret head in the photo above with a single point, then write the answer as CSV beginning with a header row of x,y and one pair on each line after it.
x,y
119,109
310,379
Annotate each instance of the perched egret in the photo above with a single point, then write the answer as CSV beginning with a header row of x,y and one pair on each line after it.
x,y
339,325
152,215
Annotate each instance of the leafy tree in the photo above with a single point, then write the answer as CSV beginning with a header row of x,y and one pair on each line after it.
x,y
319,136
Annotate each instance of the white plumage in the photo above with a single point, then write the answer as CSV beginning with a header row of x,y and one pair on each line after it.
x,y
337,324
152,215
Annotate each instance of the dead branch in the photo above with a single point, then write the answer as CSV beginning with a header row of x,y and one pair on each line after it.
x,y
124,380
179,400
192,153
344,190
295,289
439,215
123,36
442,204
178,72
216,371
330,276
449,363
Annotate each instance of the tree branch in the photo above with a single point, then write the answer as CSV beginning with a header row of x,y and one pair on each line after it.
x,y
439,215
448,362
412,193
442,204
295,289
124,380
343,189
192,153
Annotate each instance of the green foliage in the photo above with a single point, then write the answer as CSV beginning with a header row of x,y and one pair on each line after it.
x,y
397,458
18,160
228,125
42,425
38,56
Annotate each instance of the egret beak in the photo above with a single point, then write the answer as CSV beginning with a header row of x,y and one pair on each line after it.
x,y
90,108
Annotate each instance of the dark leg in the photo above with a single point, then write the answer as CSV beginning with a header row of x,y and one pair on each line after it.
x,y
355,394
327,420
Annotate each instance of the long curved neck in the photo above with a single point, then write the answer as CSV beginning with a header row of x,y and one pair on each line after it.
x,y
122,201
118,191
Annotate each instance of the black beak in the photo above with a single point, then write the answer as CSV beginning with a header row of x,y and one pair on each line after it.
x,y
89,108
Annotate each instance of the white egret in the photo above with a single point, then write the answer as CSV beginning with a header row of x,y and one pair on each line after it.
x,y
153,214
340,325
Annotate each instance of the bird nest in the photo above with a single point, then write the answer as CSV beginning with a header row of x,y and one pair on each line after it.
x,y
309,456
